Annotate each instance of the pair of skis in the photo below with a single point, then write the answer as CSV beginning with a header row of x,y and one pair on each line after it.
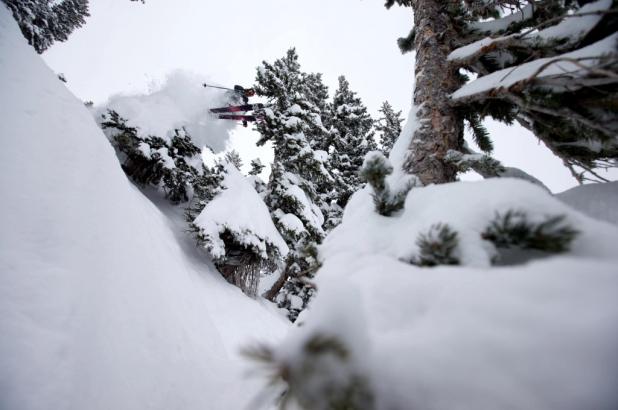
x,y
223,112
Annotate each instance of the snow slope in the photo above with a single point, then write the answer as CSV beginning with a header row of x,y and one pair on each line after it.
x,y
101,307
595,200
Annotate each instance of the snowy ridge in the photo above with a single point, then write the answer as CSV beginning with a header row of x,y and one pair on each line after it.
x,y
101,307
239,209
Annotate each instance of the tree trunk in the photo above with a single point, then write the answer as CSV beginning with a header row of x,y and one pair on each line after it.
x,y
276,287
436,79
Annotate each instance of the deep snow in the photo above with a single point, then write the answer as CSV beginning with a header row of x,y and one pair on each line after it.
x,y
539,335
101,305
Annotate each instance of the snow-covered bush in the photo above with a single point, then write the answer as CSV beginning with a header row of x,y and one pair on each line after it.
x,y
437,246
236,229
514,229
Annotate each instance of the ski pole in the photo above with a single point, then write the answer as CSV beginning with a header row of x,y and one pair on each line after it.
x,y
216,86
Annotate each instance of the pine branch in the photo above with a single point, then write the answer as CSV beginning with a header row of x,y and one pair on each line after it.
x,y
558,19
437,246
514,229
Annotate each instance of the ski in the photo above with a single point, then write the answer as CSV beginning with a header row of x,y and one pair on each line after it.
x,y
238,117
238,108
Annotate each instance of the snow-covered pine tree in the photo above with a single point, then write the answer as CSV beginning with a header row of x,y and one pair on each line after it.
x,y
43,21
549,65
388,127
290,123
352,137
174,164
316,92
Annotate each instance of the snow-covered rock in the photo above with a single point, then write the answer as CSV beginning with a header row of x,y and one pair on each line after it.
x,y
101,306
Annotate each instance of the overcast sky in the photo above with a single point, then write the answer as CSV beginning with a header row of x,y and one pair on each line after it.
x,y
127,47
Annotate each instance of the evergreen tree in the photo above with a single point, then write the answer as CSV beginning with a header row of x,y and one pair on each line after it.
x,y
388,127
256,167
254,174
174,164
520,51
233,157
316,93
43,22
351,138
290,123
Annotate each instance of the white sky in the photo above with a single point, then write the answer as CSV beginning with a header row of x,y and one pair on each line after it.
x,y
128,47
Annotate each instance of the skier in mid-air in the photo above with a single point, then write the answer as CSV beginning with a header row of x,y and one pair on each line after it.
x,y
239,103
241,93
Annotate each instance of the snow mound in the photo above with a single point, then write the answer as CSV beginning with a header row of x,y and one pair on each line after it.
x,y
478,203
101,307
240,210
595,200
181,101
538,335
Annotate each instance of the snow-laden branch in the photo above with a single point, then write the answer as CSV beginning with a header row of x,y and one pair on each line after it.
x,y
498,25
567,32
568,66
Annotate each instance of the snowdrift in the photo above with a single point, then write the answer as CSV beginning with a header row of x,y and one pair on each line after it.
x,y
101,307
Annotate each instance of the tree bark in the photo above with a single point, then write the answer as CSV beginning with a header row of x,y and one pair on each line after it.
x,y
439,127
